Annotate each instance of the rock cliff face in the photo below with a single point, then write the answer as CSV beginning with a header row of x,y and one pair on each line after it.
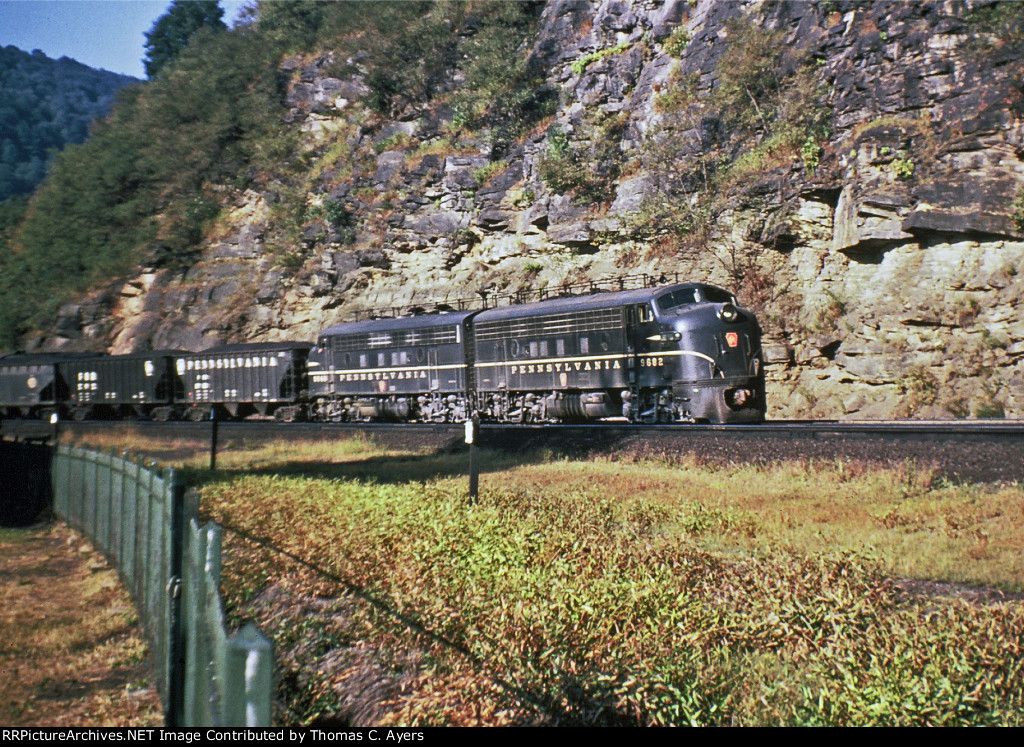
x,y
884,255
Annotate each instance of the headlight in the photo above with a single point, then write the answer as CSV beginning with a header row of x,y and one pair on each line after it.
x,y
728,313
666,337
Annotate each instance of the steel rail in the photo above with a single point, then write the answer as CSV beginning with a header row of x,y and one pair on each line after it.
x,y
1006,429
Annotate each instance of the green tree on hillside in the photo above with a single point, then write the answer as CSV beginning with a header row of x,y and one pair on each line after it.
x,y
145,186
174,30
44,106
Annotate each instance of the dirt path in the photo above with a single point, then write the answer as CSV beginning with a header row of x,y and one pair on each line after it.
x,y
71,653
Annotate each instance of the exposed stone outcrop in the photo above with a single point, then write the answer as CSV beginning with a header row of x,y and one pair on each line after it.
x,y
889,280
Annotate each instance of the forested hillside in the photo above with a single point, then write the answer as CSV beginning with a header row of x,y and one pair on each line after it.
x,y
158,173
853,170
45,105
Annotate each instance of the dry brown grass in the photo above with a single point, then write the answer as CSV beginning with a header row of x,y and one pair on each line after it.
x,y
775,572
72,654
915,525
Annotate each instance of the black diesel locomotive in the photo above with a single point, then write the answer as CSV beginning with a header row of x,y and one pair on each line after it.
x,y
682,353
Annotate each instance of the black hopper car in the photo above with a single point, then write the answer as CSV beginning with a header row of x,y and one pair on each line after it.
x,y
120,386
267,379
235,380
31,386
681,353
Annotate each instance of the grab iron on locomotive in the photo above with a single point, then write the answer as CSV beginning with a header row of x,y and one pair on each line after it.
x,y
681,353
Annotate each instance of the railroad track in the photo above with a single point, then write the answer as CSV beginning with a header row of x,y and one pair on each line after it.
x,y
976,450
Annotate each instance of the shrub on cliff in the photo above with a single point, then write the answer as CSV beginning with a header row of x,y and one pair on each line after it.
x,y
588,166
766,110
503,87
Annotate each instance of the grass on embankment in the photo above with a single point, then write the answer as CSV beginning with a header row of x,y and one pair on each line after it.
x,y
611,592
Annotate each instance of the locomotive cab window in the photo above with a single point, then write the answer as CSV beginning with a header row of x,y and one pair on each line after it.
x,y
716,295
677,298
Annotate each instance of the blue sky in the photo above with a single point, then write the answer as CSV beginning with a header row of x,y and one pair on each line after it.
x,y
106,34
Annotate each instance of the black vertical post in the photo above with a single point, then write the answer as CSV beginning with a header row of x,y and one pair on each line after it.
x,y
176,653
472,436
213,438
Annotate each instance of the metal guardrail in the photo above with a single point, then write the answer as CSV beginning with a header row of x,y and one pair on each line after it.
x,y
231,682
131,513
146,524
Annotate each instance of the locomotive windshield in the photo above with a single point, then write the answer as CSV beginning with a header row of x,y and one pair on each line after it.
x,y
717,295
677,298
688,296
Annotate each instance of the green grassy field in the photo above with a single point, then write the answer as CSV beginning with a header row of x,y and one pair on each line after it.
x,y
647,592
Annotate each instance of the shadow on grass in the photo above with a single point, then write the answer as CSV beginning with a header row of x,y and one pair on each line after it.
x,y
566,700
383,469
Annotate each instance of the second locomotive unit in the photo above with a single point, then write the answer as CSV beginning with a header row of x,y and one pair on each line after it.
x,y
682,353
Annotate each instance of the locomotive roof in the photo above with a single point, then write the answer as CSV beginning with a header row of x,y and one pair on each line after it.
x,y
420,321
251,347
583,303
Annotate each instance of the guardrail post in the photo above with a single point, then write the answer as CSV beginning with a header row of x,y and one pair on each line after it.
x,y
247,678
213,438
176,648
